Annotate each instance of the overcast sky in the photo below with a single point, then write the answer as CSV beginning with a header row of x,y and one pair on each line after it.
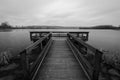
x,y
60,12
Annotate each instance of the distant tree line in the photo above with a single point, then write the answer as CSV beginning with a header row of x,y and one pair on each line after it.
x,y
5,25
101,27
105,27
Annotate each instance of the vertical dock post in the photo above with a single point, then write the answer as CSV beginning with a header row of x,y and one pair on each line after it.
x,y
87,36
77,34
97,66
25,64
31,36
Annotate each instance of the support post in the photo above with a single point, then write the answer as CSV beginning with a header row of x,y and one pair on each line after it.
x,y
31,36
85,50
41,46
87,36
81,35
97,65
25,64
40,35
77,34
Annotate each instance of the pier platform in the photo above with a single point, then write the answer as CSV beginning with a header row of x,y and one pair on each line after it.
x,y
60,64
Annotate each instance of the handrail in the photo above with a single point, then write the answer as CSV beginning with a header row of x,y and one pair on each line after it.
x,y
83,43
36,66
37,46
35,34
83,52
38,41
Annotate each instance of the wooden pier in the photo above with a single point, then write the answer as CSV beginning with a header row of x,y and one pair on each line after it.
x,y
65,56
61,59
60,64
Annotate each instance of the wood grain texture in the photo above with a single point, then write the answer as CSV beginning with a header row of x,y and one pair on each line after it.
x,y
60,64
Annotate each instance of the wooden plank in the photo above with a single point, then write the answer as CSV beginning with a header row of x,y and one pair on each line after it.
x,y
87,68
97,57
32,46
36,66
60,64
83,43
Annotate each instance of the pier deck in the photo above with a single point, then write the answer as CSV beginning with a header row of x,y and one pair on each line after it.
x,y
60,64
60,56
52,57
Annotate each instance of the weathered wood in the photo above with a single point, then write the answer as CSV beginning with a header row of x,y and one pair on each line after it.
x,y
97,66
34,34
81,42
25,65
25,54
37,64
95,56
60,64
86,66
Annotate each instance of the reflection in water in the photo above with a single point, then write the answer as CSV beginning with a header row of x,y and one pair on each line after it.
x,y
105,39
16,40
5,30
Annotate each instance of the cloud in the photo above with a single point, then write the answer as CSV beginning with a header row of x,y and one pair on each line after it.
x,y
60,12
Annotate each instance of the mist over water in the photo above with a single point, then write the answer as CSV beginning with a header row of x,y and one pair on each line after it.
x,y
17,40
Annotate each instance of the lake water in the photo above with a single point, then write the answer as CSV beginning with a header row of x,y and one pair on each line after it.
x,y
17,40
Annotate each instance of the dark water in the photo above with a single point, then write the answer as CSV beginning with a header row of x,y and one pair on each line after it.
x,y
16,40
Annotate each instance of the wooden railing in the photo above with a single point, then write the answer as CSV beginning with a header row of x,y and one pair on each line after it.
x,y
35,34
88,57
32,57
